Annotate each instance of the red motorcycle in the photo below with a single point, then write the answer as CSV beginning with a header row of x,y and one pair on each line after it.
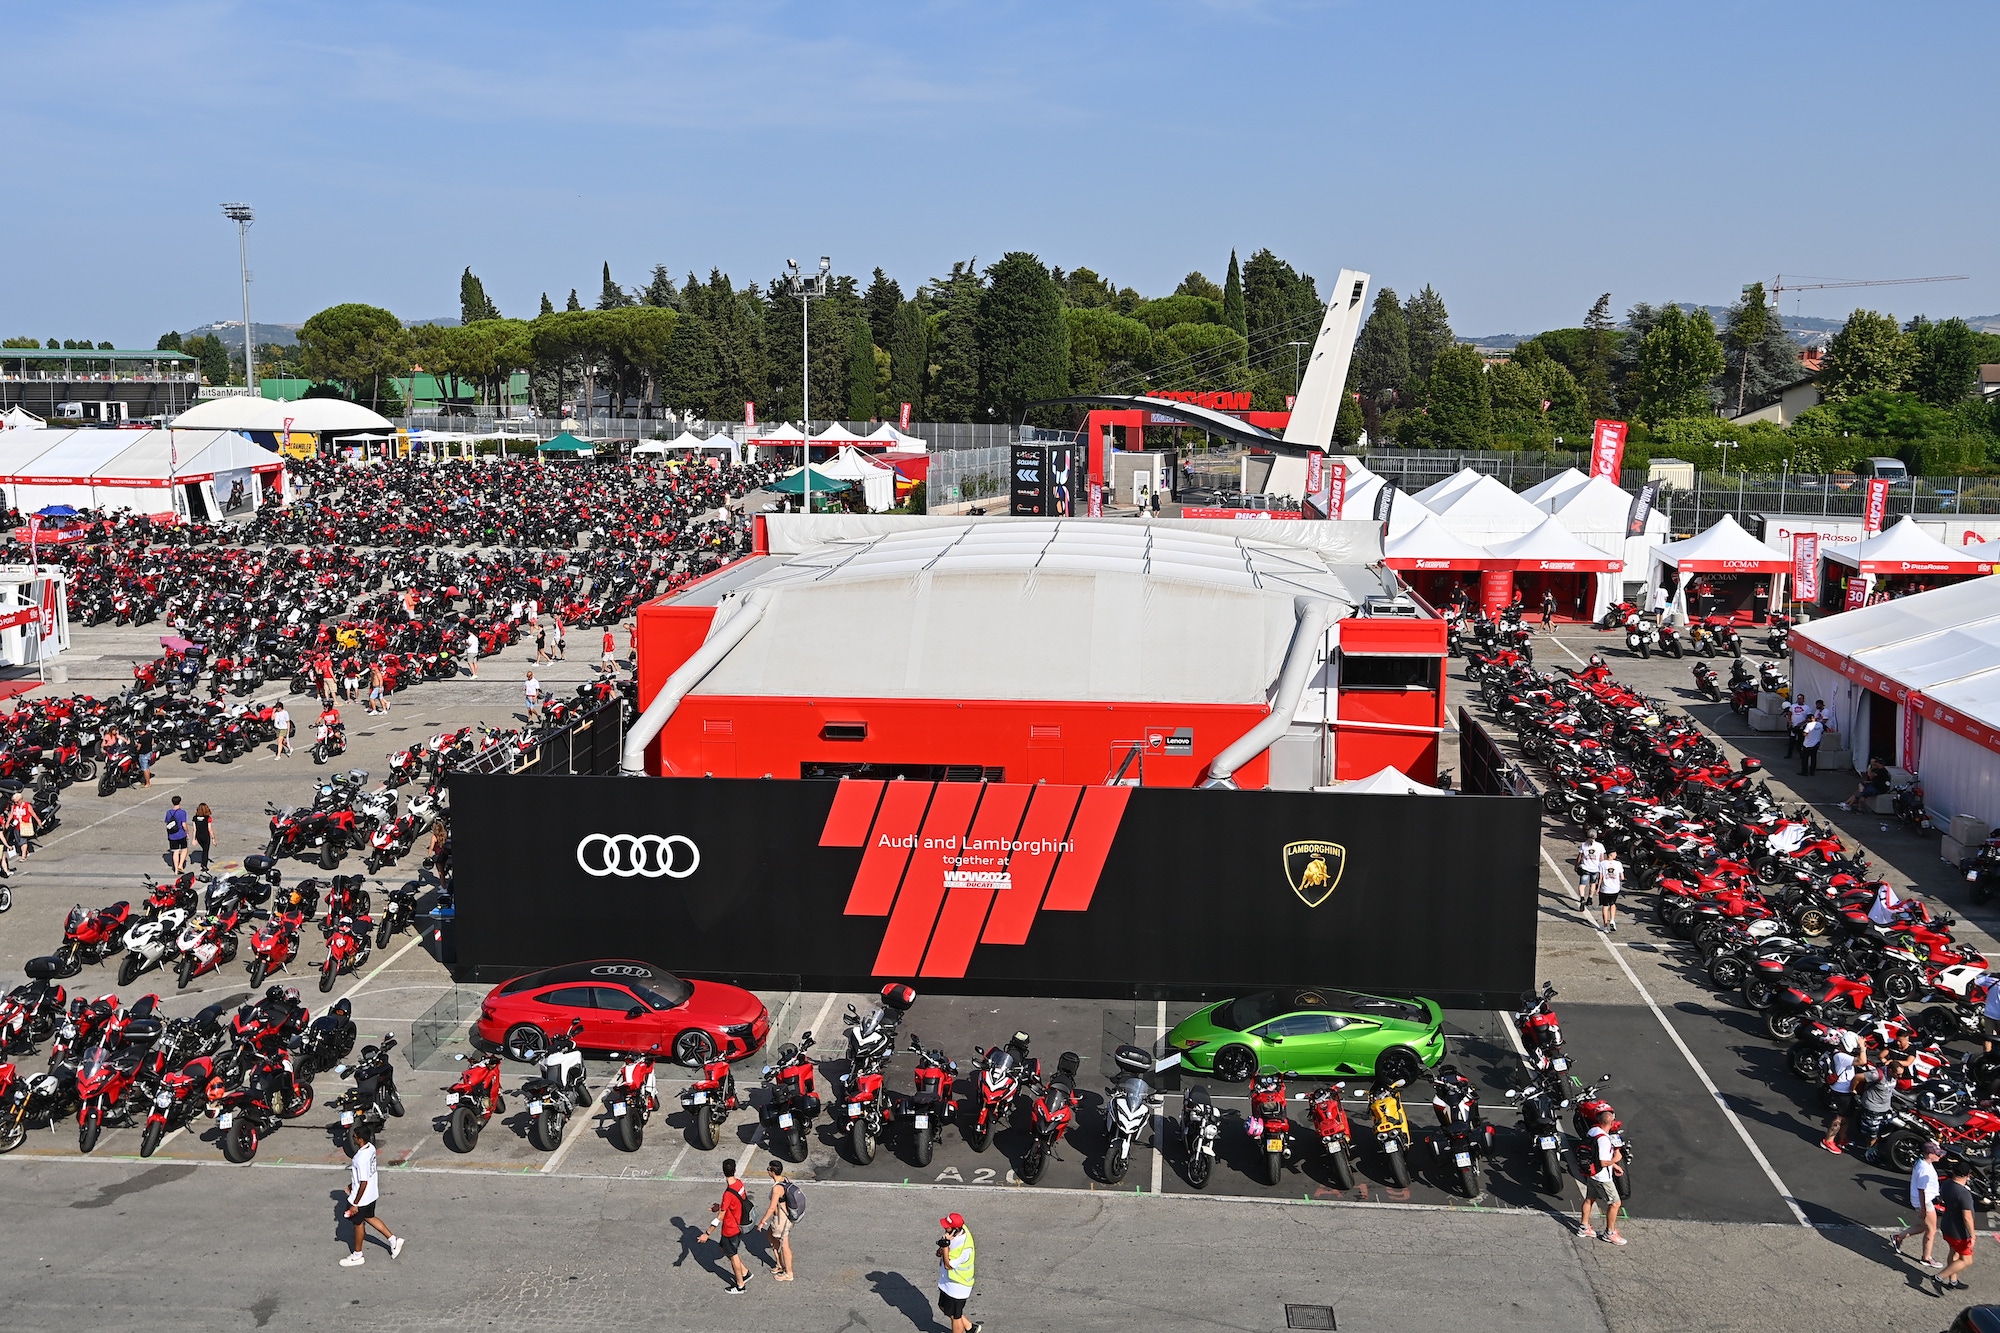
x,y
1540,1030
207,943
633,1099
179,1098
1590,1100
274,944
472,1101
30,1012
91,937
934,1104
1269,1122
1001,1071
270,1095
1336,1136
107,1082
347,947
1054,1109
709,1100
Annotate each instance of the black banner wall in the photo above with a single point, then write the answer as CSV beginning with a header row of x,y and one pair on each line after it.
x,y
999,888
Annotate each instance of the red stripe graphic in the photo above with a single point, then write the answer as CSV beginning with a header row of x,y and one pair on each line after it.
x,y
853,811
1048,823
882,867
965,909
923,884
1090,839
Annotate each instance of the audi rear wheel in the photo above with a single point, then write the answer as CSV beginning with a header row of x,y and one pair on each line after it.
x,y
524,1037
694,1048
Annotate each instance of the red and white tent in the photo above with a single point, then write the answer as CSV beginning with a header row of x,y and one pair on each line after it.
x,y
1427,546
1908,549
1553,549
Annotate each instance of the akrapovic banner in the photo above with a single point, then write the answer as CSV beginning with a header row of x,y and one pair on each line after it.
x,y
998,888
1805,566
1642,508
1385,500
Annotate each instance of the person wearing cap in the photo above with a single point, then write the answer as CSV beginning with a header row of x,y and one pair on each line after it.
x,y
1923,1200
954,1256
1957,1225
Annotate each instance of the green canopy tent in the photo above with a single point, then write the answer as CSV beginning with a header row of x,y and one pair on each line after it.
x,y
792,483
567,443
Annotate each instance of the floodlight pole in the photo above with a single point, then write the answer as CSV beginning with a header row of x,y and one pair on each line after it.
x,y
807,288
242,215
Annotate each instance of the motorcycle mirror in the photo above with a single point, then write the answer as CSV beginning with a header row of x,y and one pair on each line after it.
x,y
1512,1093
460,1057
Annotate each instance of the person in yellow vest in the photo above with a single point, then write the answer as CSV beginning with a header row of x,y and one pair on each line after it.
x,y
954,1254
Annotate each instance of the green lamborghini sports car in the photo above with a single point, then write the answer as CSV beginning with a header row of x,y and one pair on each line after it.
x,y
1311,1031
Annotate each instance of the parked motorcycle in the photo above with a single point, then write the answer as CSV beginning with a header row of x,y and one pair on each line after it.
x,y
347,947
274,944
151,943
1541,1121
1001,1071
272,1094
1054,1109
373,1097
398,914
1391,1123
471,1101
1336,1135
1589,1100
205,944
934,1104
91,937
558,1091
1128,1108
871,1044
1200,1123
791,1101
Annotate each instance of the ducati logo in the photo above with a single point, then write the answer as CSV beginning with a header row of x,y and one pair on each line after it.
x,y
1313,869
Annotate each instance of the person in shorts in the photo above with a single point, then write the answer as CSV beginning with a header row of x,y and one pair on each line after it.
x,y
1957,1224
1848,1058
363,1191
281,723
1610,883
1923,1201
730,1215
1589,860
1602,1154
955,1257
777,1222
177,835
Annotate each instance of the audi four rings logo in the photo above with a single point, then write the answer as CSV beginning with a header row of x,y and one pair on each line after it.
x,y
634,855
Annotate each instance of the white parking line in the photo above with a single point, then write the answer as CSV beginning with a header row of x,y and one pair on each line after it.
x,y
1770,1173
1160,1116
1566,648
381,967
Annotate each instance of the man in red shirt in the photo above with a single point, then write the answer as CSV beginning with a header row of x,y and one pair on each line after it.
x,y
729,1215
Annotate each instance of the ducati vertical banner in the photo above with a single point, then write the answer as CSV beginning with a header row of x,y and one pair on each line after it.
x,y
1337,489
1096,500
1805,566
1315,472
903,418
1607,449
1913,732
750,414
1642,509
1876,508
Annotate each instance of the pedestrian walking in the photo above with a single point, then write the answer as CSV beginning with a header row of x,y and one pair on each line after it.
x,y
1606,1156
1923,1201
23,824
378,689
728,1221
204,831
1810,736
472,652
281,723
1956,1225
1847,1058
955,1256
779,1217
1797,715
1610,883
326,680
532,688
610,662
1589,861
542,653
559,637
363,1191
177,835
1548,611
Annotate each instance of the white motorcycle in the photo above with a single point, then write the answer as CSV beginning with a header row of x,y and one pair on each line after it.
x,y
1128,1109
558,1092
151,944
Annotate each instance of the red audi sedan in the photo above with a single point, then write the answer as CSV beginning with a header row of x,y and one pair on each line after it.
x,y
625,1006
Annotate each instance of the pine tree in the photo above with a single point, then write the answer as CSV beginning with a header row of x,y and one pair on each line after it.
x,y
909,355
473,304
1232,299
860,371
1382,352
574,304
883,298
660,291
1603,346
549,309
1429,330
951,393
612,296
1279,305
1749,321
1023,342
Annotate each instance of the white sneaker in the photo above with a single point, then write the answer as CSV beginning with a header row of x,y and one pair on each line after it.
x,y
395,1247
354,1260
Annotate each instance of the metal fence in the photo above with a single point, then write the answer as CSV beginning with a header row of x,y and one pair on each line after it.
x,y
588,745
968,474
940,436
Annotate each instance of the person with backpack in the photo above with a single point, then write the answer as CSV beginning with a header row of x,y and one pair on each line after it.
x,y
788,1204
730,1214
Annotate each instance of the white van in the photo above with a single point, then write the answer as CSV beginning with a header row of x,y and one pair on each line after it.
x,y
1890,470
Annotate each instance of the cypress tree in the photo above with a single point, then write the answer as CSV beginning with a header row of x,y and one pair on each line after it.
x,y
473,304
1022,339
952,391
1382,352
884,297
909,357
574,304
1232,299
860,371
1430,330
611,296
547,307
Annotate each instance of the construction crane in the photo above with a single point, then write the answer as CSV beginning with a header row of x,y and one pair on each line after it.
x,y
1779,285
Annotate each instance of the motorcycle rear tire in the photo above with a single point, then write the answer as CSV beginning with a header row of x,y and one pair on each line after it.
x,y
1468,1180
184,971
1726,972
627,1133
793,1147
1807,1062
1759,993
149,1141
1341,1171
1814,921
129,965
257,970
1900,1150
863,1142
329,855
704,1129
1116,1158
1399,1169
461,1131
545,1131
1034,1163
1938,1023
1552,1173
394,1102
302,1104
89,1125
1783,1027
1899,984
925,1146
1274,1165
239,1142
1624,1181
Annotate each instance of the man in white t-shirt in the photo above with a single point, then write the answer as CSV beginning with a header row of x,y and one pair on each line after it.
x,y
362,1192
1847,1057
1589,860
1610,883
1796,714
1602,1155
1923,1200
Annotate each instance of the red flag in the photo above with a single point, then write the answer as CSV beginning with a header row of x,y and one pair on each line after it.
x,y
1337,489
1096,500
750,415
1877,507
1805,566
1607,449
903,418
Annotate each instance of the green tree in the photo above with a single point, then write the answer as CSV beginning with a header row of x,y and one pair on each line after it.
x,y
1197,283
1678,359
169,342
1457,400
1084,289
1023,344
660,291
1199,356
473,304
1600,347
1106,349
952,393
611,296
1946,366
356,346
1868,353
1168,311
547,307
1349,422
1233,311
1429,330
212,355
1279,304
575,304
909,360
783,347
692,377
1382,352
1516,393
860,371
883,298
1749,321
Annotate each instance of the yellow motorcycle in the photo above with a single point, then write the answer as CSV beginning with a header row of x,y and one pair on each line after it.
x,y
1392,1129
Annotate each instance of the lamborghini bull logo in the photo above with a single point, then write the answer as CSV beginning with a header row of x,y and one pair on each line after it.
x,y
1313,869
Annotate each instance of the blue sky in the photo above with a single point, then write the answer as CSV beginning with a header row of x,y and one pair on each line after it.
x,y
1521,158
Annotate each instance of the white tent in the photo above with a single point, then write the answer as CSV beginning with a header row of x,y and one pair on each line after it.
x,y
1550,492
1907,549
1405,512
267,415
20,418
1436,497
1387,782
1916,678
189,473
1724,548
687,442
878,480
1427,545
1597,512
1483,511
776,441
837,434
888,437
1552,548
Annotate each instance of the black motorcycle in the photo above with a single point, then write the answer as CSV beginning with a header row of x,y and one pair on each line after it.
x,y
1200,1124
1541,1105
1464,1138
373,1097
398,914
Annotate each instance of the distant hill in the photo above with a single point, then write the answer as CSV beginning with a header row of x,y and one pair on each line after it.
x,y
230,331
